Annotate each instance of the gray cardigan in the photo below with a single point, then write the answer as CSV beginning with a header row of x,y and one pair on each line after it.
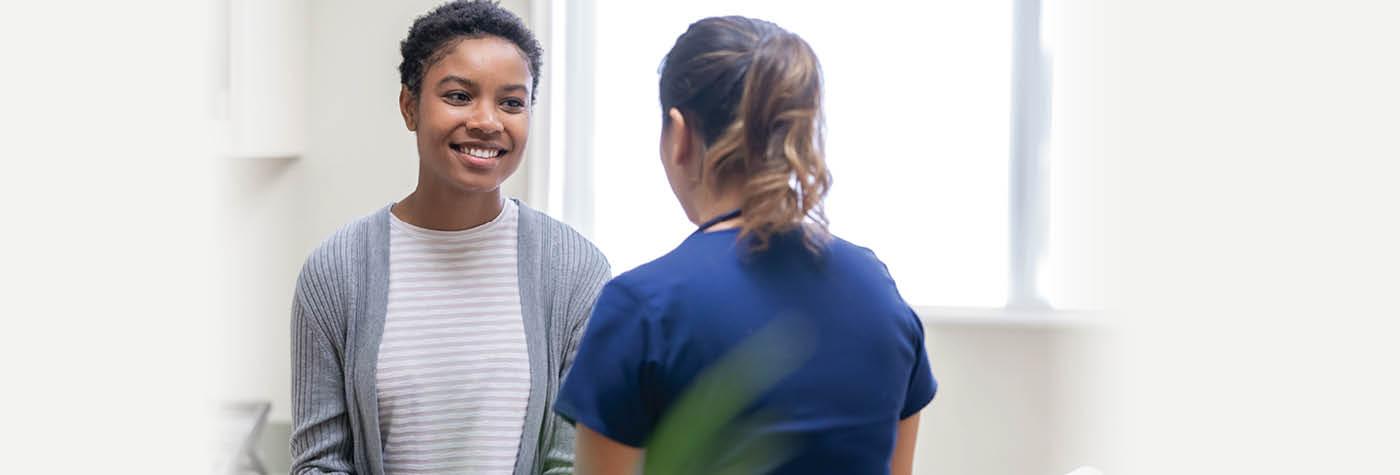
x,y
338,318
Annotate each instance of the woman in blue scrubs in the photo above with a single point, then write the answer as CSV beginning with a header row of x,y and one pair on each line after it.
x,y
808,328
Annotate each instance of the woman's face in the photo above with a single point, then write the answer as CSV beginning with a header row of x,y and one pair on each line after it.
x,y
472,114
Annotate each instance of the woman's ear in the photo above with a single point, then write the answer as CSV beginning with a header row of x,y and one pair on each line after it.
x,y
680,140
408,106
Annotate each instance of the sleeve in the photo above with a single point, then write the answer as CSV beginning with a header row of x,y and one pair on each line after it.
x,y
559,454
605,390
320,442
922,385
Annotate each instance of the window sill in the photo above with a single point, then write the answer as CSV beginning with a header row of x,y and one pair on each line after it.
x,y
1031,318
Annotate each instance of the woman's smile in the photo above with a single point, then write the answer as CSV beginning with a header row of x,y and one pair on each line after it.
x,y
477,154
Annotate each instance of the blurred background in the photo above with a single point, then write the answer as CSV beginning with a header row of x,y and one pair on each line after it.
x,y
1147,237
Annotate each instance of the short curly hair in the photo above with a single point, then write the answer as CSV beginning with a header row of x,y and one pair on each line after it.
x,y
432,36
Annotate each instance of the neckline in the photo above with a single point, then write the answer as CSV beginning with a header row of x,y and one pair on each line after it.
x,y
418,231
719,219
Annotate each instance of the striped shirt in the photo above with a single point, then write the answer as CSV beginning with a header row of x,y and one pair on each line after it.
x,y
453,374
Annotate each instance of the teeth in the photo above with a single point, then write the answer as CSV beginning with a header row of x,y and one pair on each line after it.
x,y
482,152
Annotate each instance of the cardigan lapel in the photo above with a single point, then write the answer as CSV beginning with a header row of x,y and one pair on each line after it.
x,y
371,305
534,310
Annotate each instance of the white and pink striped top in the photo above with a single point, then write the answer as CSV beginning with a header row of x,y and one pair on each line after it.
x,y
453,375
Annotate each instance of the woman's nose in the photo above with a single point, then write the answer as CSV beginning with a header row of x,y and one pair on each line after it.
x,y
483,118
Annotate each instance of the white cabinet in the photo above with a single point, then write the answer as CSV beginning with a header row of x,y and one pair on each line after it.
x,y
262,89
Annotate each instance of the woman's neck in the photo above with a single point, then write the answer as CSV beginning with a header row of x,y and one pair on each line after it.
x,y
710,207
448,210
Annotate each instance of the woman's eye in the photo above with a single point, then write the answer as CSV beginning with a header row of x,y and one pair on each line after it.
x,y
457,97
514,103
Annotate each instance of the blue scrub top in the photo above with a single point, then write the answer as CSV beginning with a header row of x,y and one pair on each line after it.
x,y
857,367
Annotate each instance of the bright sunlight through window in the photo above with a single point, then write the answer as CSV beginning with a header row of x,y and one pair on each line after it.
x,y
918,116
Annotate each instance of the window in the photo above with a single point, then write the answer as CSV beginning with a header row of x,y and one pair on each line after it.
x,y
919,110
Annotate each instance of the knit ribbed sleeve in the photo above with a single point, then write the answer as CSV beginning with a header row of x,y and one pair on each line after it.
x,y
321,442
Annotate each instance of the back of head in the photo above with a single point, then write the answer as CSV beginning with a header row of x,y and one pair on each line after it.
x,y
752,90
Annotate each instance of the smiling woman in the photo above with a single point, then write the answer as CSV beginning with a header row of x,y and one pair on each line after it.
x,y
472,117
427,336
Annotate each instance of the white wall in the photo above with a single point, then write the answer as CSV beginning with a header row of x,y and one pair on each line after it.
x,y
104,271
1014,398
1253,258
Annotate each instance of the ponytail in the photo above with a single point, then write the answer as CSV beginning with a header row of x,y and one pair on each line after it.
x,y
780,111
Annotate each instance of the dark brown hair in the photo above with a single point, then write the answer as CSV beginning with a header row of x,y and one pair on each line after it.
x,y
435,33
752,90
